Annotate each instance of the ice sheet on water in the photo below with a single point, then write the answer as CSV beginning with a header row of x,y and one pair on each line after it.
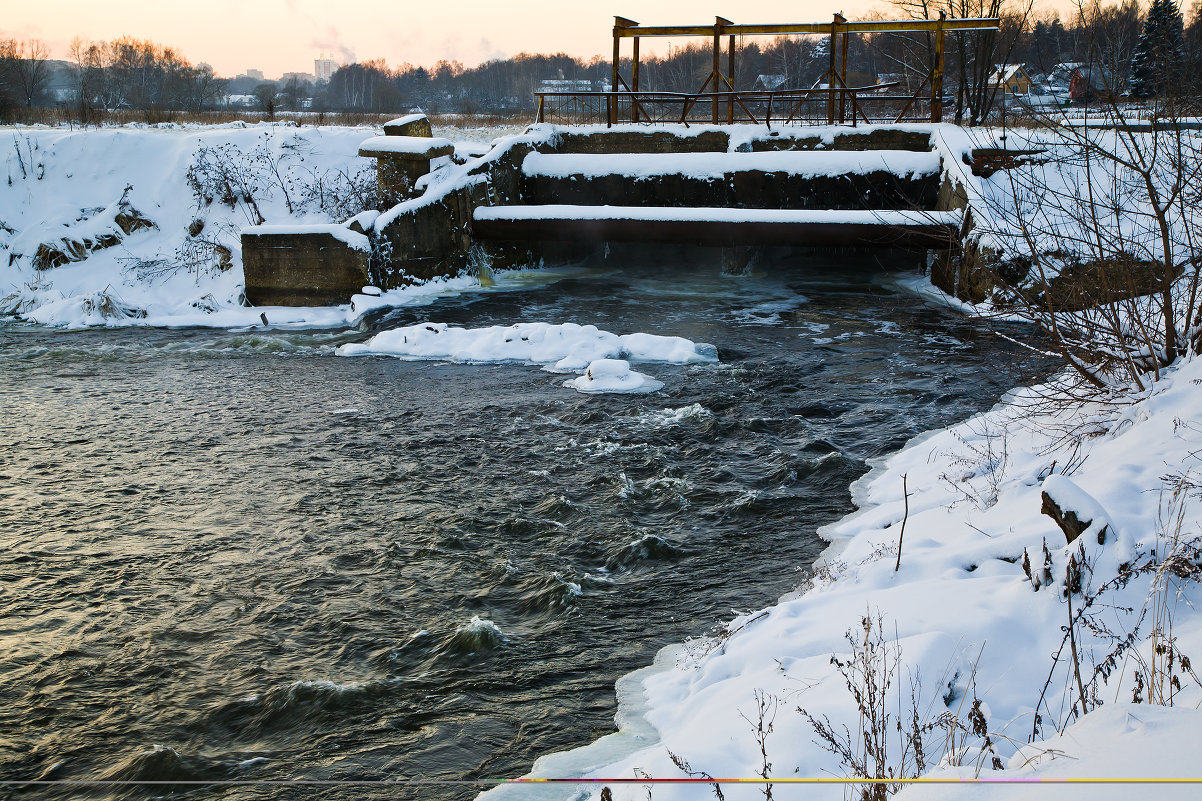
x,y
565,347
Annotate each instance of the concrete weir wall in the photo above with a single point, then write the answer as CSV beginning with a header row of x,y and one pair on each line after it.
x,y
429,232
307,267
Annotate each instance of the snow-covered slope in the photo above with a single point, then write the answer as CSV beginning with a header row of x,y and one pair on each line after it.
x,y
62,193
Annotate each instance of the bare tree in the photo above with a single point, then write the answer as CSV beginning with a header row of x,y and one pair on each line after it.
x,y
1109,229
265,96
27,72
971,57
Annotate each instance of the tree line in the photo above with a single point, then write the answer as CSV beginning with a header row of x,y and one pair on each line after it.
x,y
139,74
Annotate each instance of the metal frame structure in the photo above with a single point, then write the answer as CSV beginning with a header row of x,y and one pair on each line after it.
x,y
720,90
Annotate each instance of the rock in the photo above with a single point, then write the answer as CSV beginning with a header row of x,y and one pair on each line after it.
x,y
985,161
225,258
1066,519
1085,284
129,219
1074,510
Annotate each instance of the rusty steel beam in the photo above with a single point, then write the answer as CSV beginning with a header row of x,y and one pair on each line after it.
x,y
937,71
883,26
620,24
730,79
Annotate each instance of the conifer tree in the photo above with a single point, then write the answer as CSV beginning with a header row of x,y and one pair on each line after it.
x,y
1158,62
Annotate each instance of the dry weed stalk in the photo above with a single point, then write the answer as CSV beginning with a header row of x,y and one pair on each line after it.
x,y
886,747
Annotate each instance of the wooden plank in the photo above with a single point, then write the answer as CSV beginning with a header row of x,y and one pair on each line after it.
x,y
937,72
612,101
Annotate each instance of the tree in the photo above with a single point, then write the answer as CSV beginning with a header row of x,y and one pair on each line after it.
x,y
1107,229
27,72
265,96
293,90
972,56
1157,65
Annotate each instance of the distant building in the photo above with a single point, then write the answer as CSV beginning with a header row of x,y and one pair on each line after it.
x,y
1011,78
301,77
256,74
1091,82
323,68
1062,74
769,82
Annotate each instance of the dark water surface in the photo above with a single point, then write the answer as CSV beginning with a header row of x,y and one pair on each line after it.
x,y
233,555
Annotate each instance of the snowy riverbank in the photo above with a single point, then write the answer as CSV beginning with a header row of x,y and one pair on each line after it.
x,y
961,619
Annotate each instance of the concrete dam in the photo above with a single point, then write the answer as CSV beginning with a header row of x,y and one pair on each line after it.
x,y
555,194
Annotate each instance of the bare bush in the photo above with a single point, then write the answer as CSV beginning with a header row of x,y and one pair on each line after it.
x,y
241,179
223,173
888,747
1103,635
1099,218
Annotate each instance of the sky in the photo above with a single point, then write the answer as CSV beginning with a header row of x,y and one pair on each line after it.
x,y
278,36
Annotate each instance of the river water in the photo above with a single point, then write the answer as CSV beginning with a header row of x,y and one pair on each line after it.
x,y
235,555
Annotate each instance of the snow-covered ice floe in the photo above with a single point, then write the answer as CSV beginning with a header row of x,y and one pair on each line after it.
x,y
601,356
613,376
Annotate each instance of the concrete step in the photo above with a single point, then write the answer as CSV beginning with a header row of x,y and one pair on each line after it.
x,y
718,226
764,180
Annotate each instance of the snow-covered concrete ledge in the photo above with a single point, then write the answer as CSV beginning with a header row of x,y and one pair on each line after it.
x,y
887,217
715,166
339,232
416,147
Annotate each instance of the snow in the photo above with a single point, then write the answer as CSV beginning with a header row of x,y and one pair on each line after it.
x,y
564,347
423,146
50,307
1111,746
405,120
65,187
613,376
164,275
717,214
339,232
714,166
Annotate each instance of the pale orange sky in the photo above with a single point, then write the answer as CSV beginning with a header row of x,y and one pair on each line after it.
x,y
279,36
